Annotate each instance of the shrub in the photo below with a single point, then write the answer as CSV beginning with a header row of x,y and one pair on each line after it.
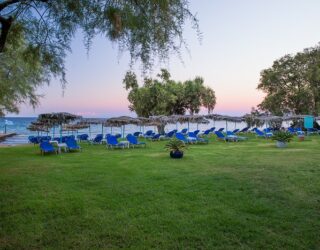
x,y
175,145
282,136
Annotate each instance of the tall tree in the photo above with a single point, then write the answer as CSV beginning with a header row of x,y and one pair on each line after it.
x,y
164,96
292,84
209,99
45,28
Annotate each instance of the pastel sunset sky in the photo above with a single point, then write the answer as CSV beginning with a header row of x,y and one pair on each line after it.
x,y
239,39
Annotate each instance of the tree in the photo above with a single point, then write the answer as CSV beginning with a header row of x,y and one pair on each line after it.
x,y
44,29
164,96
209,99
292,84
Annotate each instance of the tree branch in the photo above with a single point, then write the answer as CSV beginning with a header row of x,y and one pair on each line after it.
x,y
5,26
7,3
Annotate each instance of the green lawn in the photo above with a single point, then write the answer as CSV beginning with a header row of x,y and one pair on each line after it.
x,y
246,195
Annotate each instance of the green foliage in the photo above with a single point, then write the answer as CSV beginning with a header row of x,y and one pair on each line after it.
x,y
175,145
44,29
282,136
292,84
164,96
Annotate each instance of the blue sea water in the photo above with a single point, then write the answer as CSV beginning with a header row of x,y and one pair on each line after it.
x,y
19,125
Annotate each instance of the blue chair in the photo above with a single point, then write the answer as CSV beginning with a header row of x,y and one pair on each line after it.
x,y
299,131
244,130
194,138
212,129
155,137
196,132
259,133
220,129
72,144
46,147
83,137
184,131
291,130
222,137
170,134
134,142
137,134
232,135
33,139
97,139
207,132
112,142
148,134
236,131
181,137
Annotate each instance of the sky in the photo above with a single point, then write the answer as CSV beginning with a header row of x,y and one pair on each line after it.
x,y
239,40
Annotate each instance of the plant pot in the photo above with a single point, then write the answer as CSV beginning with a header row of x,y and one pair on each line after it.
x,y
281,144
301,138
176,154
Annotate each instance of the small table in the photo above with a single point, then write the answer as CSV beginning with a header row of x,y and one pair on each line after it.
x,y
59,146
125,143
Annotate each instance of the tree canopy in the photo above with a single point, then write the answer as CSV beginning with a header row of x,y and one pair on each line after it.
x,y
292,84
43,29
164,96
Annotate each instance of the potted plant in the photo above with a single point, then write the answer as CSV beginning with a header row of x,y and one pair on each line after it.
x,y
176,148
282,138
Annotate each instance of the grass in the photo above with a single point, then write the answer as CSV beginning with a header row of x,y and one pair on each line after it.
x,y
247,195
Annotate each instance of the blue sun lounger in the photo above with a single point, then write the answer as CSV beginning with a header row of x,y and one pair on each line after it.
x,y
112,142
72,145
97,139
244,130
46,147
181,137
193,138
134,141
184,131
170,134
259,133
232,135
222,137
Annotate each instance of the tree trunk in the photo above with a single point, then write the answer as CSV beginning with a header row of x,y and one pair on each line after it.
x,y
5,27
161,129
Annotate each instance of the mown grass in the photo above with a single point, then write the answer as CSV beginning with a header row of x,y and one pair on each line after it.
x,y
247,195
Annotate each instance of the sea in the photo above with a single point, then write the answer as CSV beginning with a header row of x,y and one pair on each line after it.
x,y
19,126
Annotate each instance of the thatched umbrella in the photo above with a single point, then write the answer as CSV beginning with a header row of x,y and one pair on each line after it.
x,y
93,121
57,119
123,121
187,119
37,128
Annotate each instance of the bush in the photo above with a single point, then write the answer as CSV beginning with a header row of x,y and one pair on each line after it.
x,y
282,136
175,145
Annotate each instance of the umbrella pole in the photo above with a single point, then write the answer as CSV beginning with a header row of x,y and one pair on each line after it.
x,y
102,129
5,128
124,127
53,132
188,126
226,126
60,133
197,126
90,131
111,130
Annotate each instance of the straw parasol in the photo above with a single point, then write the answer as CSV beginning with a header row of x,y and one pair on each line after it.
x,y
122,121
57,119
